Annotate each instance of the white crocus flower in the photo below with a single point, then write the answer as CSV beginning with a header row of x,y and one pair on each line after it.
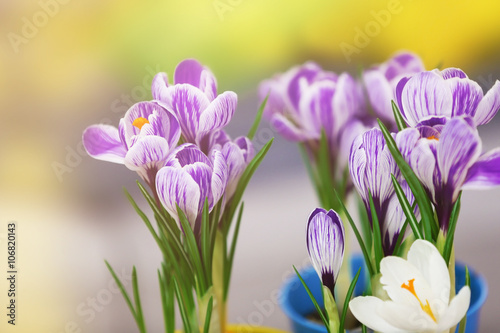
x,y
419,292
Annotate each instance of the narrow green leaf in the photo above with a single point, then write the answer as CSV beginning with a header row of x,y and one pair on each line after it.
x,y
209,315
312,174
377,236
137,298
463,322
347,299
325,172
399,241
316,305
229,264
167,301
424,204
407,208
357,234
194,252
363,329
450,236
398,116
366,227
123,291
244,180
182,308
205,241
258,117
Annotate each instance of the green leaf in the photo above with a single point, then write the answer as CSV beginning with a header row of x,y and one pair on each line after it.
x,y
366,227
206,246
450,236
243,182
318,308
230,260
325,172
137,298
398,116
363,328
357,234
350,291
377,236
194,252
257,119
407,208
167,300
424,204
312,173
209,315
182,308
463,322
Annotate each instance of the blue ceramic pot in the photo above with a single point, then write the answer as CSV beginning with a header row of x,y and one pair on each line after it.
x,y
296,303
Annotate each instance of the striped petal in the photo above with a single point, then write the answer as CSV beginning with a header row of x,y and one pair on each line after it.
x,y
219,177
466,96
489,105
219,113
325,244
147,156
190,71
380,93
102,142
485,172
160,83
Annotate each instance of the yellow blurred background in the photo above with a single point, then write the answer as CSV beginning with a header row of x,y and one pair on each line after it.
x,y
66,64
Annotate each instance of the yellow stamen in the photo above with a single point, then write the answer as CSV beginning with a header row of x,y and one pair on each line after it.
x,y
432,137
139,122
427,308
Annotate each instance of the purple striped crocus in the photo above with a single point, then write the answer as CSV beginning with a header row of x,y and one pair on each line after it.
x,y
188,178
238,153
306,100
193,99
381,81
145,137
371,165
325,238
436,96
448,158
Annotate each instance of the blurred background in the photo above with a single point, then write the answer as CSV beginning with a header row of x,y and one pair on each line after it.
x,y
67,64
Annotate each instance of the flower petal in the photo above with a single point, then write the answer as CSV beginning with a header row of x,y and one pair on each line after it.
x,y
218,113
489,105
160,83
427,259
466,96
219,177
458,149
347,101
139,110
190,71
456,310
380,93
485,173
407,318
147,156
289,130
302,77
103,143
366,310
424,95
423,162
177,187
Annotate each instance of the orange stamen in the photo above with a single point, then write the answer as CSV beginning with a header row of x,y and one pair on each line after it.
x,y
427,308
432,137
139,122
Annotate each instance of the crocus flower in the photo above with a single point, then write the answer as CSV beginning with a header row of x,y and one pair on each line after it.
x,y
445,94
306,100
381,80
419,292
143,141
448,158
188,178
193,99
371,165
325,245
238,154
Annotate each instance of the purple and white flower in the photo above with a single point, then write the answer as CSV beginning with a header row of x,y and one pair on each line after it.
x,y
433,95
371,165
381,81
448,158
188,179
145,137
325,239
238,154
193,99
306,100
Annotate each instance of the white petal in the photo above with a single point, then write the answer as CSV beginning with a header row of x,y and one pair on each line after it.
x,y
456,311
407,318
426,258
366,310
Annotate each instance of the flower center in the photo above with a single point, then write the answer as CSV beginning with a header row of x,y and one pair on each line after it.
x,y
139,122
427,308
432,137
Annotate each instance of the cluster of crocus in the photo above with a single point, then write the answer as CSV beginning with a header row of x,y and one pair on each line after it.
x,y
197,175
411,175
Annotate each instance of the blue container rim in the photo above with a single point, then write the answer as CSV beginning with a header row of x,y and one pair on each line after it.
x,y
296,317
